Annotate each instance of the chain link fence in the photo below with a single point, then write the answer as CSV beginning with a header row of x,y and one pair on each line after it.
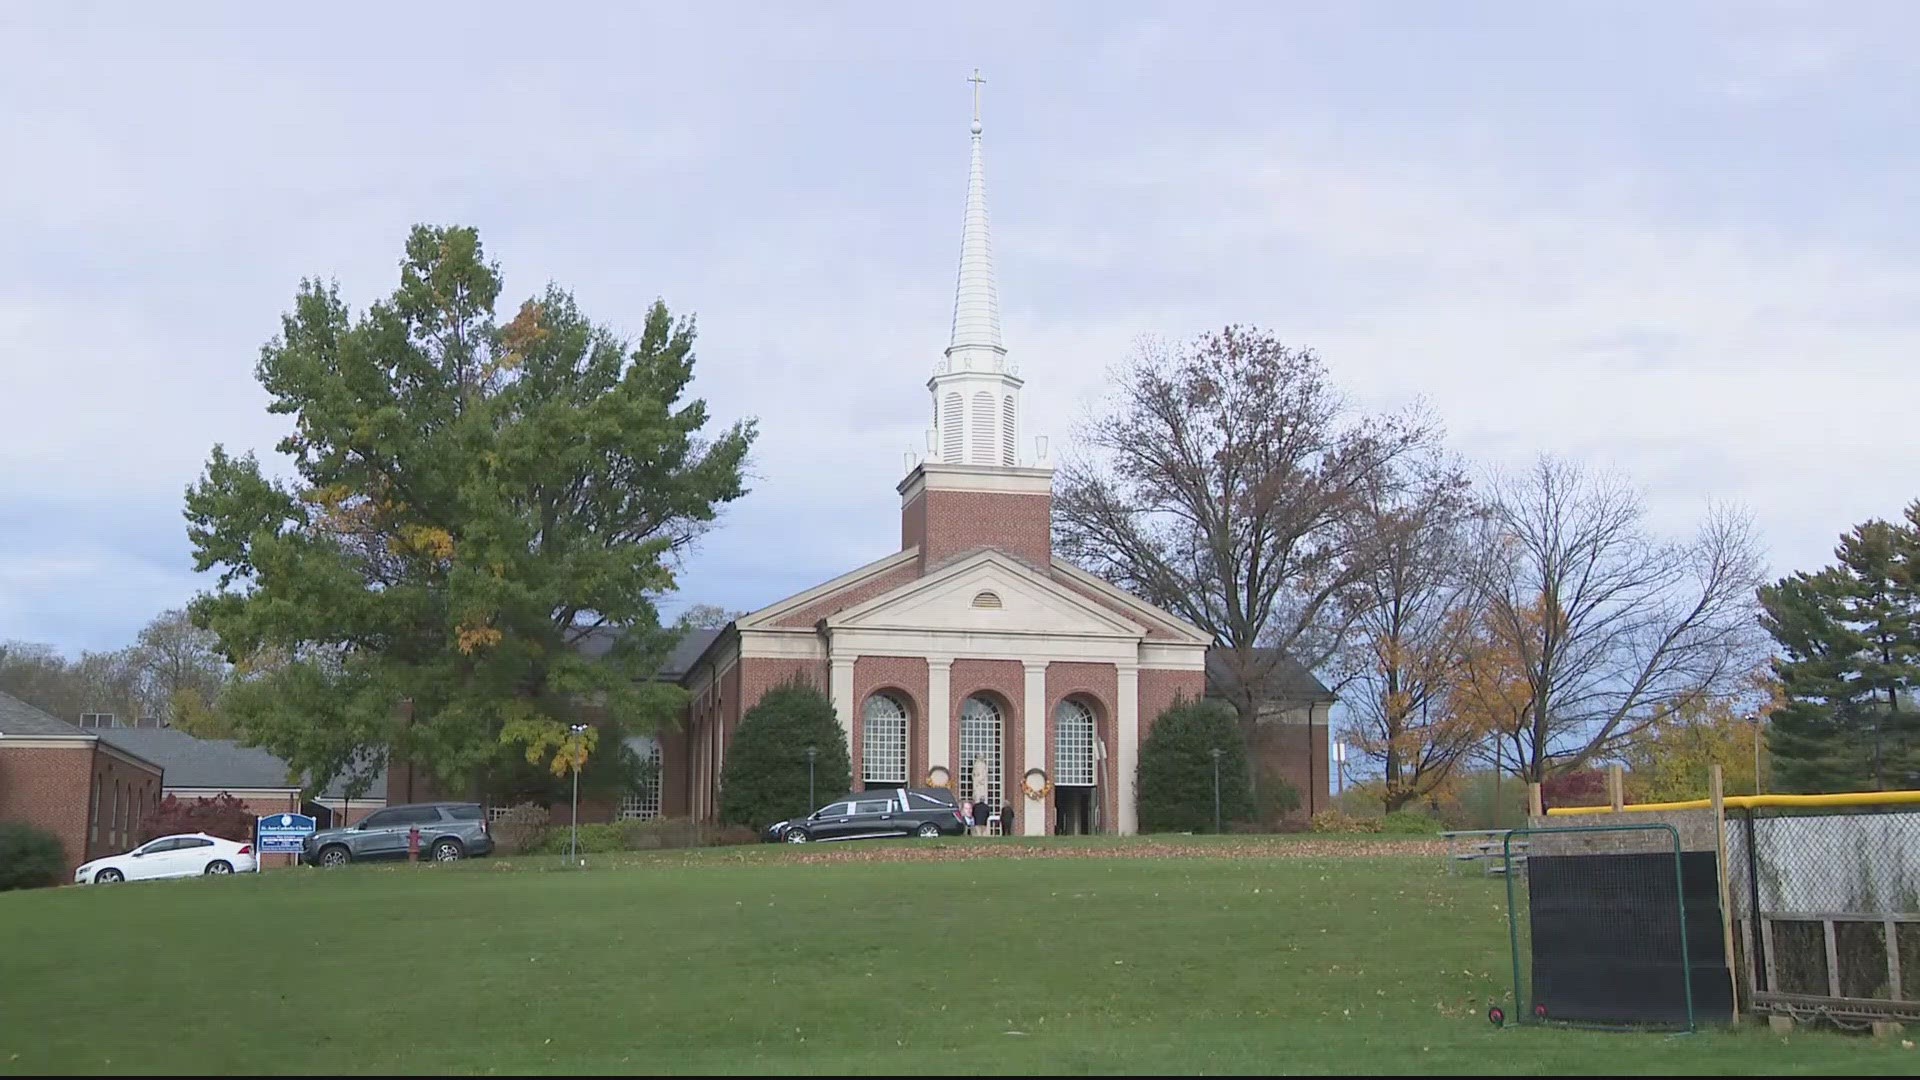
x,y
1826,907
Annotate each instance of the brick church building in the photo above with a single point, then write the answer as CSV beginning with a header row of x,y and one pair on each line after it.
x,y
970,656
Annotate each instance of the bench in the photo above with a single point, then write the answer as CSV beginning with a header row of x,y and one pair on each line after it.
x,y
1487,847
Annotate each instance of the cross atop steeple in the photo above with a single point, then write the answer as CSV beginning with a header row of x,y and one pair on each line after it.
x,y
976,392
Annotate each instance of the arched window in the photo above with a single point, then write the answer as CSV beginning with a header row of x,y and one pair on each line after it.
x,y
1008,418
951,429
980,739
980,447
1073,745
883,744
986,598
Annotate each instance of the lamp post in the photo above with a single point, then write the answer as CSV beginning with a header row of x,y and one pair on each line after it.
x,y
573,838
812,752
1216,752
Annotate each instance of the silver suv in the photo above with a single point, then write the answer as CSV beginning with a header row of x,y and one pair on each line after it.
x,y
448,831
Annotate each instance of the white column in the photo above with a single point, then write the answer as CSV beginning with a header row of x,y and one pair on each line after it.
x,y
939,712
841,687
1127,753
1033,812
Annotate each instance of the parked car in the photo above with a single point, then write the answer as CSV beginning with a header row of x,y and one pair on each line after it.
x,y
183,855
926,812
448,831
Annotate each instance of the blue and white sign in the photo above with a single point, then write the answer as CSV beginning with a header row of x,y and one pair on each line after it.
x,y
285,832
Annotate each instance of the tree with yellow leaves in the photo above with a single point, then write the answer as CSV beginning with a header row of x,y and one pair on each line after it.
x,y
469,502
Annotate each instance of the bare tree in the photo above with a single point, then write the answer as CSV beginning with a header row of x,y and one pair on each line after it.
x,y
181,671
1221,482
706,617
1413,630
1604,627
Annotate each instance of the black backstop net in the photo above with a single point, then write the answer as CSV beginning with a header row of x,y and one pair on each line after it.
x,y
1614,926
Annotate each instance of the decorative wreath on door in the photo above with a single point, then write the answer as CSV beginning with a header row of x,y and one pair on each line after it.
x,y
937,777
1036,784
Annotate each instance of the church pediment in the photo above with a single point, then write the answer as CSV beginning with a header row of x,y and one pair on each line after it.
x,y
987,593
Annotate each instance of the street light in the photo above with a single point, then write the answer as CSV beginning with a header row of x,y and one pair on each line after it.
x,y
1216,752
812,752
573,839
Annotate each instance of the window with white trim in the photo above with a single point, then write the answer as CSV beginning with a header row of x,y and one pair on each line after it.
x,y
883,741
643,802
1008,418
980,741
1073,745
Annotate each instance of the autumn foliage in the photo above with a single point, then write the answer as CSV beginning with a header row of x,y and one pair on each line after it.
x,y
223,816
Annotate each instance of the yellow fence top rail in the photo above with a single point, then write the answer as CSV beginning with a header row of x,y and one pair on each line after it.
x,y
1753,802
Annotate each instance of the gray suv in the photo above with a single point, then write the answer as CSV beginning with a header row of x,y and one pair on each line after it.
x,y
448,831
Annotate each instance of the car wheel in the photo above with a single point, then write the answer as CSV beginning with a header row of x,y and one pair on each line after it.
x,y
928,830
334,856
219,866
108,877
797,836
448,851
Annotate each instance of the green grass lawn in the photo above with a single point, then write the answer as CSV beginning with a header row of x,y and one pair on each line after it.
x,y
1254,956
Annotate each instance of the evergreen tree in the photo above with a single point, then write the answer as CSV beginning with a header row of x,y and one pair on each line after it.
x,y
468,502
1175,789
764,779
1850,635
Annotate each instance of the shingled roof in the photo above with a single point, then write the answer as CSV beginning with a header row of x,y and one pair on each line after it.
x,y
1288,683
686,651
21,720
217,764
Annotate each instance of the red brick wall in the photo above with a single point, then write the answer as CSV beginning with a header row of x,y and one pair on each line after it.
x,y
1004,681
904,677
1282,749
1099,686
849,596
52,788
124,793
913,522
1160,687
673,765
959,522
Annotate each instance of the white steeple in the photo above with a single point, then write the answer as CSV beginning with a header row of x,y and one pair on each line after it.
x,y
976,393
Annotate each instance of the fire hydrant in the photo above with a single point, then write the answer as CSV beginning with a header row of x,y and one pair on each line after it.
x,y
413,844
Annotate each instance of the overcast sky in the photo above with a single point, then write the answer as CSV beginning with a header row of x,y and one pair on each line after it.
x,y
1677,240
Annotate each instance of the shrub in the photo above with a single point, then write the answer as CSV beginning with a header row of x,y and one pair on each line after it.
x,y
1274,798
1408,823
765,776
1176,769
30,857
1582,787
1333,821
223,816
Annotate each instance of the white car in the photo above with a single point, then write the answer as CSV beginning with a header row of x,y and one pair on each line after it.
x,y
183,855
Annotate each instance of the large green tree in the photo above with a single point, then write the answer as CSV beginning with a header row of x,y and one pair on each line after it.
x,y
1850,635
468,501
